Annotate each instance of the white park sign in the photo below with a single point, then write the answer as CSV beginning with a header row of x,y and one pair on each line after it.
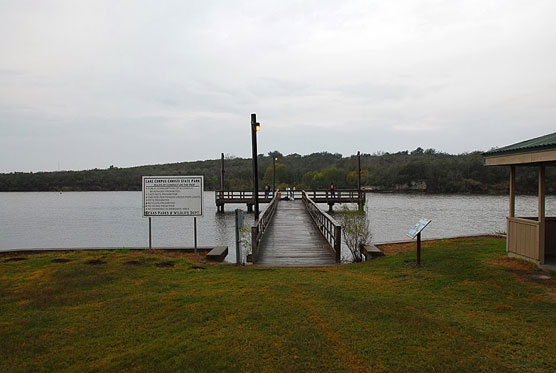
x,y
172,196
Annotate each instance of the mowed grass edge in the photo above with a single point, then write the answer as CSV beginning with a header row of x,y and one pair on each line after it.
x,y
467,308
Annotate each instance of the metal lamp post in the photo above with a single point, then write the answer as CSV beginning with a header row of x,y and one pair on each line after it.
x,y
359,172
359,180
255,127
274,175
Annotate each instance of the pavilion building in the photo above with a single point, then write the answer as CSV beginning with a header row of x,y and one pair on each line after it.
x,y
529,238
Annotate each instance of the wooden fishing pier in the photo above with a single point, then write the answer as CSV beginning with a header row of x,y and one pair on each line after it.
x,y
293,230
292,239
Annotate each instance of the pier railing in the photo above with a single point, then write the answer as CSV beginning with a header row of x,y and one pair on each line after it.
x,y
240,196
258,229
330,229
320,195
223,197
338,195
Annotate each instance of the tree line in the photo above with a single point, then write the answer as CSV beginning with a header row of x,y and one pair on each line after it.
x,y
419,170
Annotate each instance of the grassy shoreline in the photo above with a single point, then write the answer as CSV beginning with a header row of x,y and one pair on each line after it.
x,y
468,308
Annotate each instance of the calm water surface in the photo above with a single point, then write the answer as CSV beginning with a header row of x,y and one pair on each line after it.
x,y
114,219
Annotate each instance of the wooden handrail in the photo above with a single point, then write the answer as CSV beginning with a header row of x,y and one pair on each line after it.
x,y
258,229
330,229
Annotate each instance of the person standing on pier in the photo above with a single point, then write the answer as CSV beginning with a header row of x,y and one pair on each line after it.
x,y
332,191
266,190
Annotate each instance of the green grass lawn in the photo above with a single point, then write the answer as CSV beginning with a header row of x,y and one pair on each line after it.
x,y
467,309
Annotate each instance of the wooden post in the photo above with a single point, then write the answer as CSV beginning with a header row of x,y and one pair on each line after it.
x,y
542,237
150,234
338,243
512,206
220,207
274,175
512,191
222,171
419,249
254,244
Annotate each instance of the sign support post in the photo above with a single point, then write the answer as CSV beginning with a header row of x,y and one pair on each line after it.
x,y
150,234
195,232
419,249
416,232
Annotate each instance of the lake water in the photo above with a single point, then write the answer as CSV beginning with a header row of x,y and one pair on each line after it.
x,y
114,219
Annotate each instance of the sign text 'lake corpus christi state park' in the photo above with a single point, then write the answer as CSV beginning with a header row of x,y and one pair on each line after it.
x,y
173,195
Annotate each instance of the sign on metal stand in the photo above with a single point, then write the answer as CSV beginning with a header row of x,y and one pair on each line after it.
x,y
416,231
239,225
173,196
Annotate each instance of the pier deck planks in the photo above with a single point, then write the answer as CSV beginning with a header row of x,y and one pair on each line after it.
x,y
292,240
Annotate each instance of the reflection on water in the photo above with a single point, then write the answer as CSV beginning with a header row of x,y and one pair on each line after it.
x,y
97,219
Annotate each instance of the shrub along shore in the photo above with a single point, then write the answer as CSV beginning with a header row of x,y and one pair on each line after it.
x,y
468,308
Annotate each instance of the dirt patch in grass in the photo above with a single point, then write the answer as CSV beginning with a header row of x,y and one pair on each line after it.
x,y
60,260
15,259
540,277
513,264
413,263
525,271
95,262
197,267
133,263
165,264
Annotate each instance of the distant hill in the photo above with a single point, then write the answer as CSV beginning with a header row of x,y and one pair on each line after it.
x,y
419,170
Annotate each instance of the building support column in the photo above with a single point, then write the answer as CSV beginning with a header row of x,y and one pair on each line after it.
x,y
542,236
512,191
512,206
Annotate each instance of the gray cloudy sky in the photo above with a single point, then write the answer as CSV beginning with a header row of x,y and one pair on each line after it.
x,y
87,84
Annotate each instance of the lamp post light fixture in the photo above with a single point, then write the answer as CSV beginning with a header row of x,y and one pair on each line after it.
x,y
274,175
255,127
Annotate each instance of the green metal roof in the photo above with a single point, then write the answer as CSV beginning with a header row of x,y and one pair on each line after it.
x,y
545,142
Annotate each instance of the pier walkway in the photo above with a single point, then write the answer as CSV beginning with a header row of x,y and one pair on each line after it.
x,y
292,239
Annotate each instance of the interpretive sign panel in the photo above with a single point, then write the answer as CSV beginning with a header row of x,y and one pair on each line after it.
x,y
173,195
421,224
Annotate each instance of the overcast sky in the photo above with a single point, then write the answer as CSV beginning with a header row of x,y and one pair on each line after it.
x,y
86,84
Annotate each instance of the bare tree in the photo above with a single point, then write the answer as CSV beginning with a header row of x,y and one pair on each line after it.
x,y
355,230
